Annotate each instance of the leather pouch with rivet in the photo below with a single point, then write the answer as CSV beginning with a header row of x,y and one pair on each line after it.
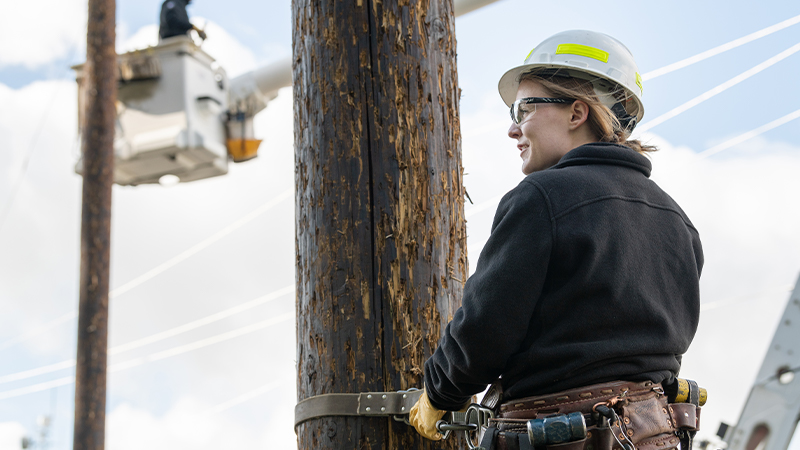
x,y
646,422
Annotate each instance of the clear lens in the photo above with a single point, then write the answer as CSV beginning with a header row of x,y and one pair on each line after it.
x,y
527,106
520,110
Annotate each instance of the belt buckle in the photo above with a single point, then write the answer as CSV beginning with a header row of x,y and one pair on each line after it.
x,y
480,416
474,420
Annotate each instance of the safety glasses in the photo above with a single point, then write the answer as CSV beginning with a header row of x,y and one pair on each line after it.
x,y
519,109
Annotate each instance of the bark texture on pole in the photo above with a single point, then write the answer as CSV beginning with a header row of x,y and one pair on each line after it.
x,y
98,161
381,236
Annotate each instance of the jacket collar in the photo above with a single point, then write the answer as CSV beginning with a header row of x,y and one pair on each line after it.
x,y
606,153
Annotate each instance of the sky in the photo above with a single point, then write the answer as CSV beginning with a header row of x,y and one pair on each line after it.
x,y
204,271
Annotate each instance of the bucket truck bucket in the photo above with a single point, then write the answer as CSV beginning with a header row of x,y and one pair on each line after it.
x,y
243,149
242,146
171,111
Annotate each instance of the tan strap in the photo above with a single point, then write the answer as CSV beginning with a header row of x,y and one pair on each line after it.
x,y
379,404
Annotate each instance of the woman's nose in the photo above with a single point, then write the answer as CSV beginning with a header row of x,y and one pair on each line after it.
x,y
514,131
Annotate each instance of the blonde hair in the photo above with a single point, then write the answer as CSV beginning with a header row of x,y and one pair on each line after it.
x,y
602,121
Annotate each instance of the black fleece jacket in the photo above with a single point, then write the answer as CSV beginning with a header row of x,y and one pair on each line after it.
x,y
591,274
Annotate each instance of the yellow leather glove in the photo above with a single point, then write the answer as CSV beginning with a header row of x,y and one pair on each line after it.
x,y
423,416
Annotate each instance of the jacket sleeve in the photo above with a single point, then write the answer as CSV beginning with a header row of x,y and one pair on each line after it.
x,y
498,302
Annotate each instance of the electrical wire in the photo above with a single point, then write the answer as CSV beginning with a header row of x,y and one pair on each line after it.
x,y
39,330
181,349
720,147
152,273
674,66
50,368
37,387
247,396
29,153
26,159
155,337
202,322
175,351
749,135
720,49
719,89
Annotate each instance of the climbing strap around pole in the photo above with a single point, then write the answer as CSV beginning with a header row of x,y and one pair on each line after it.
x,y
376,404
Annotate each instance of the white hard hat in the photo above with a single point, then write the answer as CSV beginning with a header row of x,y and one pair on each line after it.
x,y
592,56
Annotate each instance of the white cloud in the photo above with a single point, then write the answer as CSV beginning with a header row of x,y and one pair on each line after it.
x,y
231,54
742,202
11,434
144,37
47,200
32,38
37,122
185,425
151,224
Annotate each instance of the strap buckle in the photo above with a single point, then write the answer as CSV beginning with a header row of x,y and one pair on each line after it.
x,y
403,416
469,421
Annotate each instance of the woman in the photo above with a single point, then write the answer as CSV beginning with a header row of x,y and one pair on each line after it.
x,y
587,291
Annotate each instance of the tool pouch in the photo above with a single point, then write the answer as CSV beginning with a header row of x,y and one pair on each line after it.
x,y
642,418
685,416
645,421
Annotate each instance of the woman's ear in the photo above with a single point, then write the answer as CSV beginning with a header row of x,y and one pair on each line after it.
x,y
579,113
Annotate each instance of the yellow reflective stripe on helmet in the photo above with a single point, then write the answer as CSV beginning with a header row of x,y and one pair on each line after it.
x,y
639,82
529,54
582,50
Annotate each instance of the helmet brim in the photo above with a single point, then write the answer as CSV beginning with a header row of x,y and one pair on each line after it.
x,y
509,82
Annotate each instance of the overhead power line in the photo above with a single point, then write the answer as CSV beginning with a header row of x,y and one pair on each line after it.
x,y
201,322
181,349
247,396
719,89
25,374
26,159
175,351
670,67
720,49
37,387
39,330
152,273
201,245
155,337
749,135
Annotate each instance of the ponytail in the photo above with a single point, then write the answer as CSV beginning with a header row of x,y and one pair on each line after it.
x,y
602,121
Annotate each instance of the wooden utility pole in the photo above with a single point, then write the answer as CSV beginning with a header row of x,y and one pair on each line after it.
x,y
380,229
98,176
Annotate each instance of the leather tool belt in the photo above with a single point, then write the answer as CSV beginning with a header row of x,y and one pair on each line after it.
x,y
619,416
